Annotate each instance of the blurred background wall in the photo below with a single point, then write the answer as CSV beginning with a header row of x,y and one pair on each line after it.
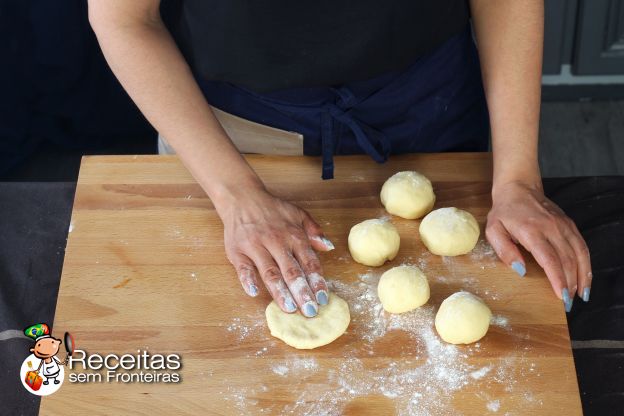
x,y
582,123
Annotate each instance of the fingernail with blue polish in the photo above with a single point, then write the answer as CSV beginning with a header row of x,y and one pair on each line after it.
x,y
586,294
253,290
321,297
309,309
518,268
328,244
567,301
290,305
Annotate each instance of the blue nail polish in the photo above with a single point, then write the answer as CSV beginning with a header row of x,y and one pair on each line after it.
x,y
567,301
321,297
328,244
290,305
309,309
518,268
253,290
586,294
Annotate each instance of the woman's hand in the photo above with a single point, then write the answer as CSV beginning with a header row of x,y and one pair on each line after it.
x,y
521,213
273,240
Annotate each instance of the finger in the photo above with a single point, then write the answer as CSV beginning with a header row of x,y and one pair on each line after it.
x,y
272,278
546,256
295,280
581,250
311,265
503,245
566,258
318,240
246,272
559,238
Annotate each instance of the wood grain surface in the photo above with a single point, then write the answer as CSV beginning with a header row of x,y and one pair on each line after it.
x,y
145,269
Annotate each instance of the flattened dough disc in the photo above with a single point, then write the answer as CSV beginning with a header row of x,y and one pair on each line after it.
x,y
307,333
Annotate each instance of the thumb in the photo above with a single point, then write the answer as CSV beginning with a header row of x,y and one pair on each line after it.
x,y
315,234
505,248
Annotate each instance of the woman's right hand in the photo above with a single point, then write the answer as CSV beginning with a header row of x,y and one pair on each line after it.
x,y
265,238
273,240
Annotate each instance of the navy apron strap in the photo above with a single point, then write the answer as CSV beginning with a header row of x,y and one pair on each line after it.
x,y
373,142
327,145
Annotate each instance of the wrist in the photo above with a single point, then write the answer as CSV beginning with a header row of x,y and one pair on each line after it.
x,y
527,177
528,184
523,172
225,194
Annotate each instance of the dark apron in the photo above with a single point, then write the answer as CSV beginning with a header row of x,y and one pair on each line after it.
x,y
435,105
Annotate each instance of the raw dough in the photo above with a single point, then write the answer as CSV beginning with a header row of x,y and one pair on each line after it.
x,y
407,194
449,231
402,289
463,318
307,333
373,242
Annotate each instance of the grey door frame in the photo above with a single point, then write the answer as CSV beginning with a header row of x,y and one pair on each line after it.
x,y
599,38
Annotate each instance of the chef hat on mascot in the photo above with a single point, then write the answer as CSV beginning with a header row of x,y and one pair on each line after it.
x,y
37,332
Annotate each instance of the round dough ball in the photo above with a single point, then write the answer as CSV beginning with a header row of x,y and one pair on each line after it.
x,y
449,231
402,289
463,318
306,333
373,242
408,195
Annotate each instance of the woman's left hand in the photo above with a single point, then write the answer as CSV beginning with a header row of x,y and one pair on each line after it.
x,y
522,214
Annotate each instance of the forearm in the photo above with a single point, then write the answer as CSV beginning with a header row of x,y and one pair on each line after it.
x,y
145,59
509,37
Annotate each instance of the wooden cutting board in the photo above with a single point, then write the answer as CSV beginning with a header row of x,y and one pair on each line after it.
x,y
145,270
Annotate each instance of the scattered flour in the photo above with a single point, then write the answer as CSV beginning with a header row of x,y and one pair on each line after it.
x,y
281,370
493,406
296,365
484,254
174,233
480,373
419,378
423,260
261,351
243,330
499,320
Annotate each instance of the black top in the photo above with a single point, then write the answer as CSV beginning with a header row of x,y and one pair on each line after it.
x,y
269,45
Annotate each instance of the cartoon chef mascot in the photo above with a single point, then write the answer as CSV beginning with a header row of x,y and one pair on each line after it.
x,y
46,347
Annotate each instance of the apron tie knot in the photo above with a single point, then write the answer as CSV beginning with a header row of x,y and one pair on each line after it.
x,y
372,141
